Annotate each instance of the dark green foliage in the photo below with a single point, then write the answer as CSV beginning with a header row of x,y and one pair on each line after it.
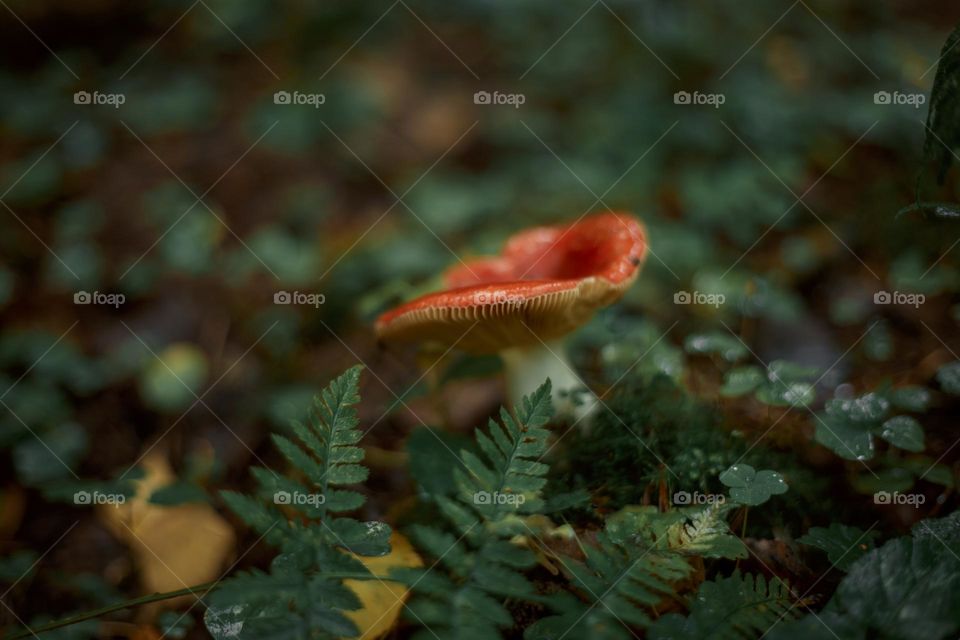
x,y
943,118
907,589
477,566
751,487
651,426
302,595
848,426
782,384
511,478
738,606
721,343
949,377
635,564
844,545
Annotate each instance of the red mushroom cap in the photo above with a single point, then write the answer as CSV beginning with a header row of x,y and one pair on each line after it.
x,y
546,282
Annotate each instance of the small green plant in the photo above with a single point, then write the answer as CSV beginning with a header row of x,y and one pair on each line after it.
x,y
477,565
848,426
303,591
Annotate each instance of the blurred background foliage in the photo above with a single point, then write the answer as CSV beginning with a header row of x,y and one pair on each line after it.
x,y
199,198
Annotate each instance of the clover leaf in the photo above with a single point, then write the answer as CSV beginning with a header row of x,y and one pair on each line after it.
x,y
847,426
949,377
751,487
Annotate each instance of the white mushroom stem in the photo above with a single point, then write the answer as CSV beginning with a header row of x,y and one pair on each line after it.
x,y
526,368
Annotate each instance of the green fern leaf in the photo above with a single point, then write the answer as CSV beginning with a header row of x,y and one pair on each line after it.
x,y
623,578
476,568
511,478
705,533
732,608
303,595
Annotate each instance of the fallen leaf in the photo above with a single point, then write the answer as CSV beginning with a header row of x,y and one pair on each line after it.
x,y
174,546
382,599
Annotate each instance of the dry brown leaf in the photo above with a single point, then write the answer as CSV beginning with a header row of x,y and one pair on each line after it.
x,y
173,546
382,599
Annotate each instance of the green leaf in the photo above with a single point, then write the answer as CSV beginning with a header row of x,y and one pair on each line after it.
x,y
304,595
724,344
849,441
174,625
866,409
751,487
787,394
50,456
511,479
497,484
909,587
741,380
949,377
705,533
785,371
737,606
912,398
943,117
844,545
903,432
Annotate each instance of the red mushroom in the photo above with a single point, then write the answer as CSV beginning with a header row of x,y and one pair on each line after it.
x,y
546,282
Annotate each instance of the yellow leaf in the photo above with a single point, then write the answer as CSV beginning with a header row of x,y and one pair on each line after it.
x,y
382,599
173,546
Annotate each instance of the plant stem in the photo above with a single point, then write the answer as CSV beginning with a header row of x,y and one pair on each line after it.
x,y
197,590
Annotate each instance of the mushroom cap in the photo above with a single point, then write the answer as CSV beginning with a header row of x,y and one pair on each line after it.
x,y
545,283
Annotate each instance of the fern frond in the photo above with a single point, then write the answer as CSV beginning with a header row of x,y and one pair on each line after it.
x,y
326,453
511,478
303,595
620,584
638,560
705,533
477,567
732,608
